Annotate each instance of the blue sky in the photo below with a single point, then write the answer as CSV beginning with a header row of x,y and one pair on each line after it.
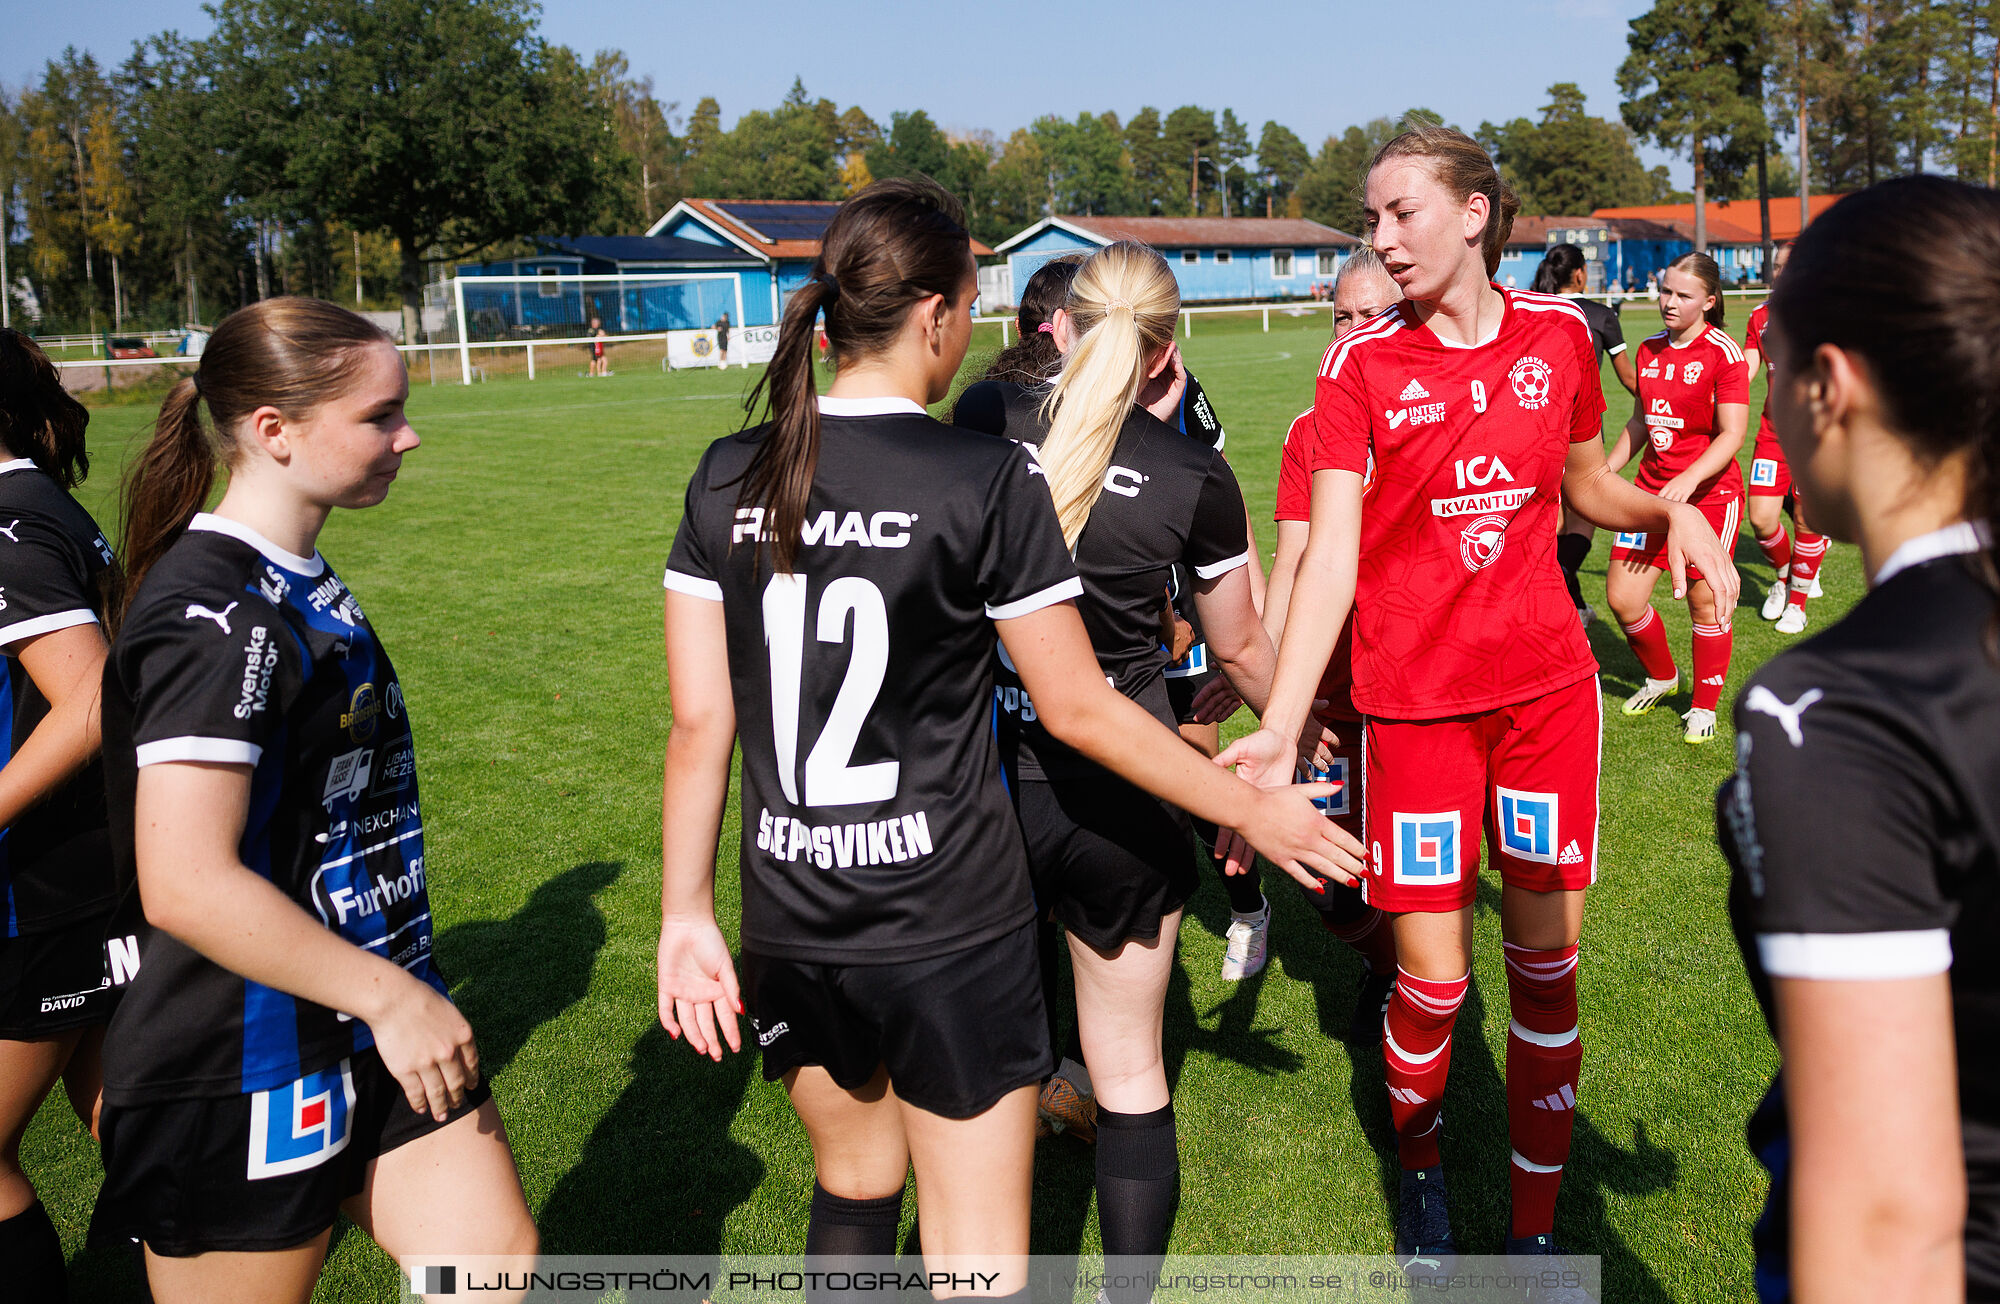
x,y
1314,65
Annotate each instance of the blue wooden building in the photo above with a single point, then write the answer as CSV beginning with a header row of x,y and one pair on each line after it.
x,y
749,255
1215,259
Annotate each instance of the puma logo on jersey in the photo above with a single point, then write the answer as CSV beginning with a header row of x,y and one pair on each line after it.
x,y
221,618
1413,391
8,530
1572,854
1766,702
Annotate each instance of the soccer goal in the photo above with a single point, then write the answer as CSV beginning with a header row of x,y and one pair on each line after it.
x,y
517,323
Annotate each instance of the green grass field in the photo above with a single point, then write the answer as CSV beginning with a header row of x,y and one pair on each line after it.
x,y
514,574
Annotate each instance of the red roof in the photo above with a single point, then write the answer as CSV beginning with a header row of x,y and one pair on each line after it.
x,y
739,217
1730,221
1535,230
1214,232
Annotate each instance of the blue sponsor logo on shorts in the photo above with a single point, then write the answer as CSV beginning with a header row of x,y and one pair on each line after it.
x,y
1427,848
1194,663
1764,472
1527,824
302,1124
1340,803
1629,541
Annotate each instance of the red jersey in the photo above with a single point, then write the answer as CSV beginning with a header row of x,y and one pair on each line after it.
x,y
1336,686
1459,603
1680,387
1753,339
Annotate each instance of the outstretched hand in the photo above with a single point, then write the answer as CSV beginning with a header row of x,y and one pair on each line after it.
x,y
1292,833
698,989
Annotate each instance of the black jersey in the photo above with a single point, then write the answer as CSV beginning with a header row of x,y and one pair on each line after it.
x,y
55,860
1168,500
875,825
236,651
1862,827
1607,332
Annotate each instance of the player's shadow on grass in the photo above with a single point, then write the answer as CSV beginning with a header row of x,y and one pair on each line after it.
x,y
660,1173
513,975
1477,1150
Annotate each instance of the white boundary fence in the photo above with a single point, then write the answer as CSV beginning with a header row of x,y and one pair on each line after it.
x,y
469,371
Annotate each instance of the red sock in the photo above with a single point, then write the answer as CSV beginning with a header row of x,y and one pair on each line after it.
x,y
1372,938
1711,664
1805,565
1777,550
1544,1054
1649,643
1416,1052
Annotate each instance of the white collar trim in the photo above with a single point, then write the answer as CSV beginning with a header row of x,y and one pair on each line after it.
x,y
883,406
18,464
291,561
1951,541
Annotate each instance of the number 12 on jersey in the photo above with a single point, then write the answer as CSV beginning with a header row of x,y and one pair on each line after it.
x,y
831,779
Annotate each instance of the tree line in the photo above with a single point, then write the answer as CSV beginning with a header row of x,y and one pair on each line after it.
x,y
345,148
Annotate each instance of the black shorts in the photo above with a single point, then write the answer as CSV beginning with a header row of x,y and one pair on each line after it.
x,y
956,1032
1109,861
261,1171
55,981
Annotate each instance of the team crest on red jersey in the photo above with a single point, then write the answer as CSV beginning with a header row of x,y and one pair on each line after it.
x,y
1691,373
1530,378
1479,543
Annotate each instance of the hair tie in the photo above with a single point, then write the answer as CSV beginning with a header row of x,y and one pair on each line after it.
x,y
829,286
1118,303
1046,328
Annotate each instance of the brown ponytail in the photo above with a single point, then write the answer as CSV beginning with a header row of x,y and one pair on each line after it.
x,y
1703,269
39,419
897,241
289,353
1462,166
1033,356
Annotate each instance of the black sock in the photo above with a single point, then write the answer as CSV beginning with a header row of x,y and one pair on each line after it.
x,y
1571,549
841,1226
33,1254
1138,1184
1246,891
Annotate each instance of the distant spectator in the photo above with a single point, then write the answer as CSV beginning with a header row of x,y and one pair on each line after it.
x,y
722,340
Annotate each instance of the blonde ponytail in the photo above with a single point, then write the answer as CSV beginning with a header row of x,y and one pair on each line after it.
x,y
1123,303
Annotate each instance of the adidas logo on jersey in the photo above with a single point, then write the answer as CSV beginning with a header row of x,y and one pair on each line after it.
x,y
1713,681
1412,392
1571,854
1557,1101
1405,1096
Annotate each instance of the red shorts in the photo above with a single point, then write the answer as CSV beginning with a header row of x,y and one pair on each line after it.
x,y
1769,476
1526,774
1724,513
